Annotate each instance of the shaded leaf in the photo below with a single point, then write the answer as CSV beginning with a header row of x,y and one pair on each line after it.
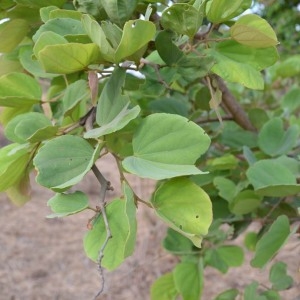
x,y
115,248
164,288
67,204
63,161
188,278
271,242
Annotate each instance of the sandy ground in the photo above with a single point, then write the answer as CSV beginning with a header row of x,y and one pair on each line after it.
x,y
43,259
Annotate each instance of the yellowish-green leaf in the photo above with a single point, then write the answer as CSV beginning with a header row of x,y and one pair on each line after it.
x,y
253,31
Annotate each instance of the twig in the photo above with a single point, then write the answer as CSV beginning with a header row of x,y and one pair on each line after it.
x,y
212,120
232,105
105,186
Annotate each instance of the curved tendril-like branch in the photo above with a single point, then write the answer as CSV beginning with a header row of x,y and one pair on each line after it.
x,y
105,186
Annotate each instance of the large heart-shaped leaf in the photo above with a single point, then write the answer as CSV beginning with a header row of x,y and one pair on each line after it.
x,y
185,207
166,146
252,30
63,161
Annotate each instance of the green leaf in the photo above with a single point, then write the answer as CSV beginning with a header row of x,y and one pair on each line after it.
x,y
185,207
258,58
252,30
167,50
233,70
115,248
98,36
177,244
8,65
279,278
21,128
251,292
13,163
213,259
31,65
182,18
63,161
20,192
164,288
274,140
245,202
227,188
67,204
130,211
251,240
67,58
170,105
47,38
226,162
45,12
271,242
230,294
119,122
74,94
219,11
18,89
12,32
136,34
61,26
288,68
41,3
291,100
233,256
166,146
119,11
188,278
112,109
270,178
91,7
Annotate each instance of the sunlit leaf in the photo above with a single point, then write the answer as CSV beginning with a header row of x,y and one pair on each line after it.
x,y
253,31
166,146
67,58
185,207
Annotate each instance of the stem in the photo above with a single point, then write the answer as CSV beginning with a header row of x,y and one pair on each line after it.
x,y
105,186
232,105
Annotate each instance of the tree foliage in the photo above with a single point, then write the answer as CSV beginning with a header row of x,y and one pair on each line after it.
x,y
189,93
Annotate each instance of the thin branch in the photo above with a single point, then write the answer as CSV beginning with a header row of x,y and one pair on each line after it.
x,y
232,105
105,186
212,120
